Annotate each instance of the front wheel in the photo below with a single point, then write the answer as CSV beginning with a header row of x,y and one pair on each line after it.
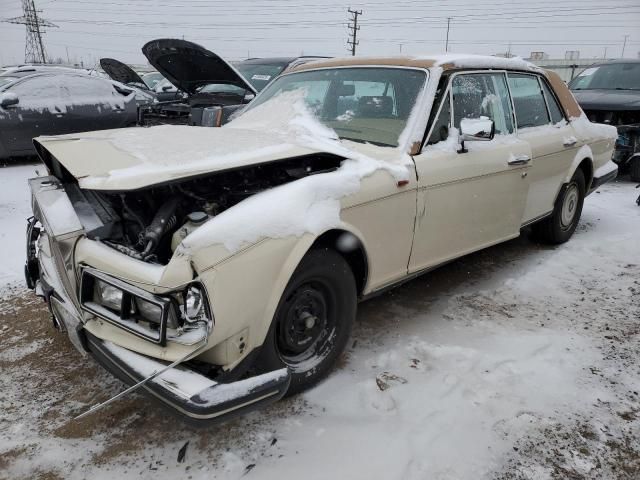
x,y
313,320
560,225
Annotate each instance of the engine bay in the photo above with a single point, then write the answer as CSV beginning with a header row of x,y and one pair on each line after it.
x,y
148,224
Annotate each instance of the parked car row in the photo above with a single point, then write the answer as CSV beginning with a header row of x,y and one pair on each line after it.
x,y
192,86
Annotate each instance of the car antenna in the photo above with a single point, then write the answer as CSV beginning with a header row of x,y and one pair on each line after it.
x,y
141,382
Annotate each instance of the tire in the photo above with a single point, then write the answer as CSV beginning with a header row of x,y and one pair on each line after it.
x,y
634,169
313,321
560,225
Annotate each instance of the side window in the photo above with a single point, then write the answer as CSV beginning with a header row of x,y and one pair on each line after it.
x,y
35,91
86,90
478,95
531,110
440,131
554,108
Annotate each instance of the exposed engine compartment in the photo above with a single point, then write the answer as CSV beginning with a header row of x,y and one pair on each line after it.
x,y
144,223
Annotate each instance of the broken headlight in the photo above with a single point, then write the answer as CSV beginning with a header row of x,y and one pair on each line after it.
x,y
107,295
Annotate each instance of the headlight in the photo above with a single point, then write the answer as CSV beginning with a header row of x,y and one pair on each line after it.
x,y
183,317
194,305
107,295
152,313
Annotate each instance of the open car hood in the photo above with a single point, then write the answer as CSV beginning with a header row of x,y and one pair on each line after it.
x,y
189,66
134,158
120,72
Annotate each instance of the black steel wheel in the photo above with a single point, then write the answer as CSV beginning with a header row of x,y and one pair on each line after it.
x,y
313,320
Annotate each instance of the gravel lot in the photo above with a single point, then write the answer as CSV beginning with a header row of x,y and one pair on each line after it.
x,y
518,362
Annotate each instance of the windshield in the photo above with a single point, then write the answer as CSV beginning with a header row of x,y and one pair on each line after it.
x,y
260,74
369,104
152,79
615,76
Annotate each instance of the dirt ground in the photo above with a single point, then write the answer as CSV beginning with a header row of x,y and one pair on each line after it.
x,y
591,431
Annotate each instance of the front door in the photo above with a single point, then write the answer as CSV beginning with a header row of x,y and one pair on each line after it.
x,y
469,199
38,112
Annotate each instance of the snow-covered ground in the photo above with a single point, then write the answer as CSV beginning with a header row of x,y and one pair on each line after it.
x,y
518,362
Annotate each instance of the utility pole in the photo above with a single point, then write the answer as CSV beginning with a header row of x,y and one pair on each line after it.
x,y
605,52
34,51
353,35
446,45
624,45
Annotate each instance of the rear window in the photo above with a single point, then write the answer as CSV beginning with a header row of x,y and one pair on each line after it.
x,y
530,107
554,108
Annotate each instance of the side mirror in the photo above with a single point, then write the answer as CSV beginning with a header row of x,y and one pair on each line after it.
x,y
8,99
248,97
480,129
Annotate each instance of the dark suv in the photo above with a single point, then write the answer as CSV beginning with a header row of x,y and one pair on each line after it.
x,y
610,93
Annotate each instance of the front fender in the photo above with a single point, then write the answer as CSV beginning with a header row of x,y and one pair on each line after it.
x,y
245,289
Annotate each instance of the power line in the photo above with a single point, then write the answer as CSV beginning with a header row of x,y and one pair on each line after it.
x,y
34,51
354,30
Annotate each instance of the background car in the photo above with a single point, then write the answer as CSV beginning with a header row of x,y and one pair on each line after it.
x,y
260,71
56,103
610,93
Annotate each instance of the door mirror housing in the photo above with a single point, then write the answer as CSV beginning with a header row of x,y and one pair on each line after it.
x,y
8,99
481,129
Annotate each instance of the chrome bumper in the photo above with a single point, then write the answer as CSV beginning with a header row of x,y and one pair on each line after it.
x,y
191,395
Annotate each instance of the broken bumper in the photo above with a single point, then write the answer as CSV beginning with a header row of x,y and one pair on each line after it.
x,y
191,395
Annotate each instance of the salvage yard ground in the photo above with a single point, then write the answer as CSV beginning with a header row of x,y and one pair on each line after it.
x,y
518,362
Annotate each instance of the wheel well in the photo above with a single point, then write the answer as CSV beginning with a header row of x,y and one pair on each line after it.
x,y
587,169
351,248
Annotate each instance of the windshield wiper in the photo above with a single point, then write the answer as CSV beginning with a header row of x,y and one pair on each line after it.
x,y
359,140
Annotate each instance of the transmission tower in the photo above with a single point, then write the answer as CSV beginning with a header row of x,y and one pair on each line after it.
x,y
34,51
353,35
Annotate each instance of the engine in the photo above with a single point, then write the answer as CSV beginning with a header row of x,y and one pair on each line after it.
x,y
148,224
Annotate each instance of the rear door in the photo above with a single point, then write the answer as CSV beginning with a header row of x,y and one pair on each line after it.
x,y
39,111
471,199
541,123
94,103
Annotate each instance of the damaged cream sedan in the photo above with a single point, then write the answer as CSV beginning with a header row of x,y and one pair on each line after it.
x,y
220,269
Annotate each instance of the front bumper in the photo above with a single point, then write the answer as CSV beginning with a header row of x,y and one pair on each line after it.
x,y
50,272
193,396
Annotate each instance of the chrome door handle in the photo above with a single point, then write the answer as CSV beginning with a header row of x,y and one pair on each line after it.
x,y
570,142
519,160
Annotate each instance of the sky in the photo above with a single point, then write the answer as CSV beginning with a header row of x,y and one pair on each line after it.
x,y
236,29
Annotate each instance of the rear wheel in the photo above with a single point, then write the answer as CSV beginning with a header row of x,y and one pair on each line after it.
x,y
313,321
560,225
634,169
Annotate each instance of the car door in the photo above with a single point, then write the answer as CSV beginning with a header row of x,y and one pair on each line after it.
x,y
39,111
541,123
472,198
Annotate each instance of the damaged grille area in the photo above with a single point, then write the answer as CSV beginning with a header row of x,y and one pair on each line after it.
x,y
628,125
